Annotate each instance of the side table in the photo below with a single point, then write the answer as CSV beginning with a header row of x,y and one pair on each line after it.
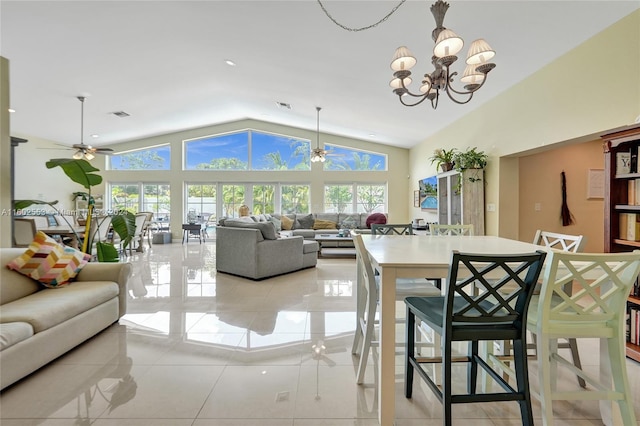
x,y
192,229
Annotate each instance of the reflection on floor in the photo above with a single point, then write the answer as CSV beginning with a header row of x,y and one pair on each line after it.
x,y
197,348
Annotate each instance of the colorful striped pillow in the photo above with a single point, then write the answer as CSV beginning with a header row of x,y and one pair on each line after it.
x,y
49,263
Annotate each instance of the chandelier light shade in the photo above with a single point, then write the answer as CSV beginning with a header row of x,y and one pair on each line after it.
x,y
447,45
318,154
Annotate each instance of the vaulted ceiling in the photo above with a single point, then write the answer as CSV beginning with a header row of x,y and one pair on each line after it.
x,y
163,62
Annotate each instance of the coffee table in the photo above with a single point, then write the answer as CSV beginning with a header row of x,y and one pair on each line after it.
x,y
335,251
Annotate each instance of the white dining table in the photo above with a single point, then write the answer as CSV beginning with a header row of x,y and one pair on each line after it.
x,y
417,256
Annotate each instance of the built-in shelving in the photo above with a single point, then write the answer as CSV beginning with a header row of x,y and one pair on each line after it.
x,y
617,199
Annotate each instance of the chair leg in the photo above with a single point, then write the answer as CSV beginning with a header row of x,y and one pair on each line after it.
x,y
575,355
544,377
617,359
409,352
366,343
522,380
472,368
446,381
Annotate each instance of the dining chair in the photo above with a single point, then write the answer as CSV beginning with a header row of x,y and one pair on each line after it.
x,y
24,231
459,316
595,309
146,231
138,235
437,229
367,302
391,229
567,243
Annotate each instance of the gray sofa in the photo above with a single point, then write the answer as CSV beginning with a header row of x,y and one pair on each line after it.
x,y
39,324
254,250
342,220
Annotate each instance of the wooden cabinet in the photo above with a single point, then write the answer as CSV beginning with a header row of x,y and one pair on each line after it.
x,y
461,199
621,201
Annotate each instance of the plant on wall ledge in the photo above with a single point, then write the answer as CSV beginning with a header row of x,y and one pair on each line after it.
x,y
471,159
444,158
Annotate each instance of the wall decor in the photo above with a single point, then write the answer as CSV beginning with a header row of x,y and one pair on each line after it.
x,y
428,193
595,183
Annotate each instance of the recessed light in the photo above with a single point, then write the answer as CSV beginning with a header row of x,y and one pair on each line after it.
x,y
95,136
230,62
12,110
372,135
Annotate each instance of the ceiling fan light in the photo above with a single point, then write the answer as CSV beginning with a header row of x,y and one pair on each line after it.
x,y
471,75
89,156
447,44
479,52
403,59
78,155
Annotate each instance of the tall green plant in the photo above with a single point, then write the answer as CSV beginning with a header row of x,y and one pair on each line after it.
x,y
83,173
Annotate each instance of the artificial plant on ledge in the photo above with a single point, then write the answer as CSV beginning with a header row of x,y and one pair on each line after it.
x,y
83,173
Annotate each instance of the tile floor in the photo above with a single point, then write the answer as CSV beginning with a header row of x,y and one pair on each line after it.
x,y
201,349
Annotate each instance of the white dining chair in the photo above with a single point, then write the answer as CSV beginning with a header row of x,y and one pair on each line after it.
x,y
566,243
367,302
437,229
594,309
24,231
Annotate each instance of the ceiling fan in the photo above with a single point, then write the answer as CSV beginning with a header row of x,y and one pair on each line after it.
x,y
318,154
83,150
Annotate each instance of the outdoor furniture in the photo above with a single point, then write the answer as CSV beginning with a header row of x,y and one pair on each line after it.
x,y
192,229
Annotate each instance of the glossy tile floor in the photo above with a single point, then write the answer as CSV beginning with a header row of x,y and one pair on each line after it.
x,y
202,349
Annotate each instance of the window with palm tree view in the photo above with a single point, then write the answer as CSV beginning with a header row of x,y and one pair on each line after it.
x,y
354,198
344,159
153,158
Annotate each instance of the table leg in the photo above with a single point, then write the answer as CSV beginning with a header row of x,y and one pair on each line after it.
x,y
387,377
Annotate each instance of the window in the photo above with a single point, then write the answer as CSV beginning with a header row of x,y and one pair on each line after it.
x,y
224,152
345,159
369,198
201,199
294,199
247,150
232,198
125,197
275,152
155,158
137,197
338,198
263,199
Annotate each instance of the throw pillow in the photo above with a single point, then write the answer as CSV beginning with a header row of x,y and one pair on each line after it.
x,y
276,222
49,263
287,224
305,222
324,224
267,229
376,218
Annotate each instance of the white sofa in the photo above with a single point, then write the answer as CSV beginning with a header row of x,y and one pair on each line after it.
x,y
39,324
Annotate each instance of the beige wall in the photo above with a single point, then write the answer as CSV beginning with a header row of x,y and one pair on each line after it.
x,y
578,94
5,156
540,183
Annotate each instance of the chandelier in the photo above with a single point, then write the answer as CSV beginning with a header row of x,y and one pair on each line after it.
x,y
318,154
448,44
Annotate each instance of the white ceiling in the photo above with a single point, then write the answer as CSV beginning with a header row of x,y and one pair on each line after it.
x,y
163,62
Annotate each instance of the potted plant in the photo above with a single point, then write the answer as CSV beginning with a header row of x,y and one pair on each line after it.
x,y
471,159
82,172
444,158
